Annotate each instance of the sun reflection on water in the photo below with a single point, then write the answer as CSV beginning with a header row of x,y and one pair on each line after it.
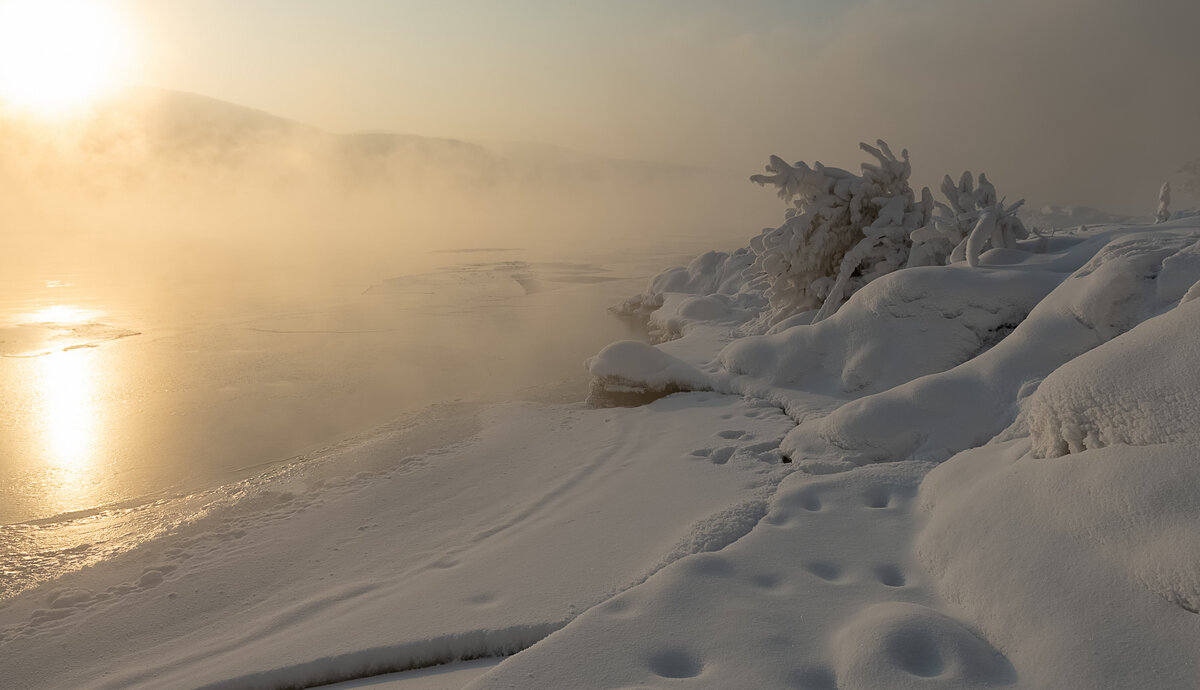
x,y
67,416
63,314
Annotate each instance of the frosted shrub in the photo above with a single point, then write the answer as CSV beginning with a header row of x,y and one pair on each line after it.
x,y
842,231
998,227
945,238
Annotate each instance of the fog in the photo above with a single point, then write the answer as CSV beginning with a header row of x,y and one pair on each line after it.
x,y
1073,102
194,290
168,183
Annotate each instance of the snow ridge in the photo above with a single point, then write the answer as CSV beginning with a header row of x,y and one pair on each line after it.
x,y
476,644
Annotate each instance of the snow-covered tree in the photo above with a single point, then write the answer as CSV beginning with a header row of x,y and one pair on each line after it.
x,y
842,231
1163,213
945,238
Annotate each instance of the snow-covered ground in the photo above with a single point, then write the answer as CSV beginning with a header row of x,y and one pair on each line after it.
x,y
980,476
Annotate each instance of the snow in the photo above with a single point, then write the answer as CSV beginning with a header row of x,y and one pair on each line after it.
x,y
965,477
636,368
1075,410
480,549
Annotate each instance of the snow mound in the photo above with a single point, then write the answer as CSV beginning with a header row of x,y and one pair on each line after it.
x,y
901,326
630,372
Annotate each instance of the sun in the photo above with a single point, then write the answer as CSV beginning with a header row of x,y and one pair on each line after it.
x,y
56,55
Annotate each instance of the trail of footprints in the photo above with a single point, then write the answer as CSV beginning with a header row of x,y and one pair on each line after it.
x,y
881,594
743,443
873,497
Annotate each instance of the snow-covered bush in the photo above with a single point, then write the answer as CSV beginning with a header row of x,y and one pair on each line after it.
x,y
1163,213
998,227
946,238
843,231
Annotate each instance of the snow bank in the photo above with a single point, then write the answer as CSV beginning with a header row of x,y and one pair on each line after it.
x,y
935,416
1077,571
1148,391
1087,576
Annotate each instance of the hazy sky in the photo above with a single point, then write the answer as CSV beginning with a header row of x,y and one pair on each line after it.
x,y
1075,101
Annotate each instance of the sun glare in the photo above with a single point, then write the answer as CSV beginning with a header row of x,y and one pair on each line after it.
x,y
62,314
56,55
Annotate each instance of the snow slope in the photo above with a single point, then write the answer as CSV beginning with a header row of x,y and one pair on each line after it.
x,y
967,477
1009,567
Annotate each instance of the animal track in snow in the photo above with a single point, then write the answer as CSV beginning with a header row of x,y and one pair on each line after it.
x,y
675,663
877,497
825,570
720,456
890,575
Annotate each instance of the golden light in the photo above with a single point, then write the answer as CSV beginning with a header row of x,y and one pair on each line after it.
x,y
68,414
56,55
62,314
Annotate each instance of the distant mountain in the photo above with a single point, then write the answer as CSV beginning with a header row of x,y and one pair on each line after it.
x,y
148,129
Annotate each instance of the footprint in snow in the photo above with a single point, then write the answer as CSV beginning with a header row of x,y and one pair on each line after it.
x,y
890,575
675,663
877,497
720,456
824,570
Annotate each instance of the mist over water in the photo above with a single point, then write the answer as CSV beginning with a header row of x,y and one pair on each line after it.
x,y
194,290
